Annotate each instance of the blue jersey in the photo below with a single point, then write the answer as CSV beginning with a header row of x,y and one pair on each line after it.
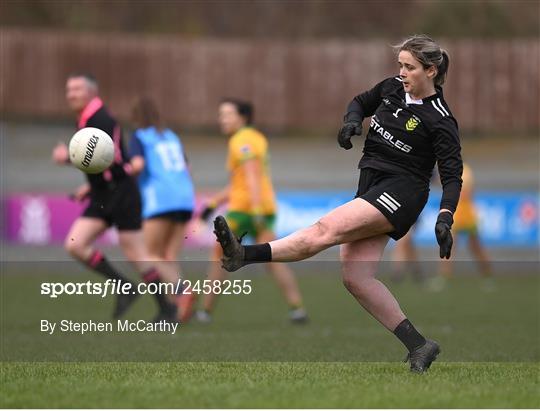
x,y
165,182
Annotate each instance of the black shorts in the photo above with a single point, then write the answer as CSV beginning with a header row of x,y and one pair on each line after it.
x,y
176,216
119,206
400,198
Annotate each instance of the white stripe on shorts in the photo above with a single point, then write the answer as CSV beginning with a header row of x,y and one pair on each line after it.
x,y
388,202
385,205
389,197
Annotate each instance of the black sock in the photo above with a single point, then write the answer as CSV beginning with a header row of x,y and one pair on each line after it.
x,y
258,253
152,277
99,263
408,335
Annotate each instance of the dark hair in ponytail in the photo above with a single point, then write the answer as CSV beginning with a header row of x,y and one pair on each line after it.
x,y
442,69
429,53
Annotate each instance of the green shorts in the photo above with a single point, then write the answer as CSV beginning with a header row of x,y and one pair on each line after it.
x,y
241,223
469,229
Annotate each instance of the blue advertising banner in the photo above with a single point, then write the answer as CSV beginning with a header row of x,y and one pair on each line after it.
x,y
505,219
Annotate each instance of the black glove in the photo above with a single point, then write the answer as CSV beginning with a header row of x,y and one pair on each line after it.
x,y
349,129
443,233
207,212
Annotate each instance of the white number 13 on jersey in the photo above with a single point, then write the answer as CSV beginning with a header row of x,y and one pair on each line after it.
x,y
171,156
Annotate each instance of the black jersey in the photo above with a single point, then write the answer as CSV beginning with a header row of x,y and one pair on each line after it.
x,y
96,115
409,136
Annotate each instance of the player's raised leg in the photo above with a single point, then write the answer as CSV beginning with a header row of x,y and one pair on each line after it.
x,y
352,221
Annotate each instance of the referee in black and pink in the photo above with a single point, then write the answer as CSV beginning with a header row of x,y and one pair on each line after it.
x,y
114,200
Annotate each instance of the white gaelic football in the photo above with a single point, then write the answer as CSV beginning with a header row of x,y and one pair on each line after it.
x,y
91,150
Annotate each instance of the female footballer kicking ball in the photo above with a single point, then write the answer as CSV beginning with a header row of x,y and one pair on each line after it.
x,y
411,129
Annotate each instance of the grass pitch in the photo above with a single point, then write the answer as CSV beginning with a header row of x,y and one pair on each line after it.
x,y
269,385
251,357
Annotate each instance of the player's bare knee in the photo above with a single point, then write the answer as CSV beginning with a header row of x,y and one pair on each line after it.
x,y
75,248
323,235
357,284
357,274
68,245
